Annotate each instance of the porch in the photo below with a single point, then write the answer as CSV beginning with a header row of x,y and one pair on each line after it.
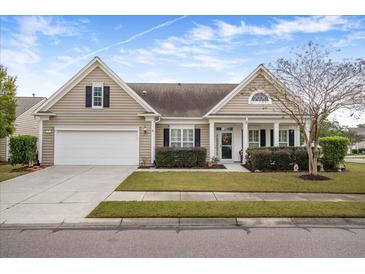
x,y
228,137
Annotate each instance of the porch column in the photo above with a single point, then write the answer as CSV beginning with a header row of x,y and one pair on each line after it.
x,y
153,140
211,140
244,140
276,134
297,136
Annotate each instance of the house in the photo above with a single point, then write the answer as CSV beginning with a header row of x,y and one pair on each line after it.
x,y
98,119
25,123
361,132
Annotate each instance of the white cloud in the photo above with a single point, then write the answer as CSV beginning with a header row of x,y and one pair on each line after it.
x,y
354,36
281,27
202,32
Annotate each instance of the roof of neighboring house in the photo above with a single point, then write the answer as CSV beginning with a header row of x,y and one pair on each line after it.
x,y
182,99
25,103
358,130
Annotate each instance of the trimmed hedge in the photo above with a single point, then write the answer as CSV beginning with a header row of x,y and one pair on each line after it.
x,y
276,158
334,150
23,150
170,157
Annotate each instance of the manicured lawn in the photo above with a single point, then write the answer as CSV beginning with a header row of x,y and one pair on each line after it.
x,y
7,171
187,209
351,181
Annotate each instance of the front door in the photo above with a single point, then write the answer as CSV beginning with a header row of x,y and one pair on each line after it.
x,y
226,144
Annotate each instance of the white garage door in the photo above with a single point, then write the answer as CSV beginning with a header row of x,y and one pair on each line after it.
x,y
92,147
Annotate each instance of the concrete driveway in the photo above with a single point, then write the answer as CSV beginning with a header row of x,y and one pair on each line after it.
x,y
58,193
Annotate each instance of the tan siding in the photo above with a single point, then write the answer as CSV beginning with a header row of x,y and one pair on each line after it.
x,y
26,124
239,103
71,110
3,150
204,135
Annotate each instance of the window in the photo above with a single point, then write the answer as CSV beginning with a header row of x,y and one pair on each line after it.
x,y
253,138
283,138
182,137
259,97
97,98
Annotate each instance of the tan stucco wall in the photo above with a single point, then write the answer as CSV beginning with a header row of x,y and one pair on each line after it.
x,y
70,110
239,103
204,135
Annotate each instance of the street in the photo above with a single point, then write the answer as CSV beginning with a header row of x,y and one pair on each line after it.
x,y
194,242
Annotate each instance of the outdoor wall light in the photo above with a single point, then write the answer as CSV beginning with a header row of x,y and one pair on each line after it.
x,y
144,129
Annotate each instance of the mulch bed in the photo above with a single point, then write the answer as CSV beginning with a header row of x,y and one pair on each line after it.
x,y
25,168
218,166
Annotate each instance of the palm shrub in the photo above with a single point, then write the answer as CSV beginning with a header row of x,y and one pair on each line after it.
x,y
23,150
334,150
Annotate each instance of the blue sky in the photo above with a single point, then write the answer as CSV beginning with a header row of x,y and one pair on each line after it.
x,y
45,51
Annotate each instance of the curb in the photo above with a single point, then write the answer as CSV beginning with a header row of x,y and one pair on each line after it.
x,y
203,223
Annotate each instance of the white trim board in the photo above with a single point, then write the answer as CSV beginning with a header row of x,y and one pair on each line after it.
x,y
95,62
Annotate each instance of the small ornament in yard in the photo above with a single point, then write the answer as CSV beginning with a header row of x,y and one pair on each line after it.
x,y
296,167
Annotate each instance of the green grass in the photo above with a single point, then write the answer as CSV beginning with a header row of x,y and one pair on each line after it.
x,y
6,172
192,209
351,181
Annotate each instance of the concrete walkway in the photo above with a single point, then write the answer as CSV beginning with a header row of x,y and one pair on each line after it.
x,y
229,196
231,167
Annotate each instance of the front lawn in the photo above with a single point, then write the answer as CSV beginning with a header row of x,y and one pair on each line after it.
x,y
130,209
8,171
351,181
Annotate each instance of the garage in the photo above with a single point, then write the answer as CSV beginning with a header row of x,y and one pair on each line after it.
x,y
96,147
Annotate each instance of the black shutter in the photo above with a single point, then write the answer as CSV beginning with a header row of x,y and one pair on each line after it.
x,y
291,137
106,97
271,137
262,138
166,137
197,137
88,96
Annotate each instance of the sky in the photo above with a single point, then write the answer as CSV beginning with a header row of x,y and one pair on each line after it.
x,y
44,52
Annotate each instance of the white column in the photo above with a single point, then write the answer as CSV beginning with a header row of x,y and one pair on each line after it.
x,y
244,140
153,140
276,134
40,139
297,136
211,140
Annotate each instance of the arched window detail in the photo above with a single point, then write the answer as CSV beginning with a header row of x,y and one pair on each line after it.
x,y
259,97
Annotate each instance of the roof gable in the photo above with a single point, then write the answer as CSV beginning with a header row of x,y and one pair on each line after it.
x,y
96,62
25,103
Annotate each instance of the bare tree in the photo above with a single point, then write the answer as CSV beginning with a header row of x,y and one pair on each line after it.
x,y
312,86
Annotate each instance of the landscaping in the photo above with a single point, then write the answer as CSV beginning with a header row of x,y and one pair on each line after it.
x,y
130,209
350,181
8,171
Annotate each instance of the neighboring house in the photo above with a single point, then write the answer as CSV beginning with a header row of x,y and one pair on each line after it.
x,y
25,123
98,119
359,131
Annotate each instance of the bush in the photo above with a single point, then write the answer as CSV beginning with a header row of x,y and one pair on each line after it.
x,y
23,150
170,157
282,159
260,159
276,158
334,150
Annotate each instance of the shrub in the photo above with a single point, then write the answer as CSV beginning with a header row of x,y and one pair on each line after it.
x,y
23,150
260,159
170,157
300,157
282,159
334,150
276,158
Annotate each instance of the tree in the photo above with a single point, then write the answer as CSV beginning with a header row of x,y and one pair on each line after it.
x,y
311,86
331,129
7,103
353,136
361,125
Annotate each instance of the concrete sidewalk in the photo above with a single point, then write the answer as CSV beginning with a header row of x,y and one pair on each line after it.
x,y
230,196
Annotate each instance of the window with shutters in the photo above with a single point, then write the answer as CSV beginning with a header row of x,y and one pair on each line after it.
x,y
181,136
97,95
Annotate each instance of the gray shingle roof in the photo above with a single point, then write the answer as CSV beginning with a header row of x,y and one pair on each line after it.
x,y
358,130
25,103
182,100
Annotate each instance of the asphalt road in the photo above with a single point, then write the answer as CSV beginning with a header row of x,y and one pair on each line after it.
x,y
235,242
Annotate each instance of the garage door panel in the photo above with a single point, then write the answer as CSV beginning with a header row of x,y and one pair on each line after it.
x,y
96,148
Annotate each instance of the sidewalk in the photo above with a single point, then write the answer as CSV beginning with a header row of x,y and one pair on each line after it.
x,y
230,196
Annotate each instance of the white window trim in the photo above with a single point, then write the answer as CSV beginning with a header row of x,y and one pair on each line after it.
x,y
94,85
287,137
256,102
259,138
181,127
